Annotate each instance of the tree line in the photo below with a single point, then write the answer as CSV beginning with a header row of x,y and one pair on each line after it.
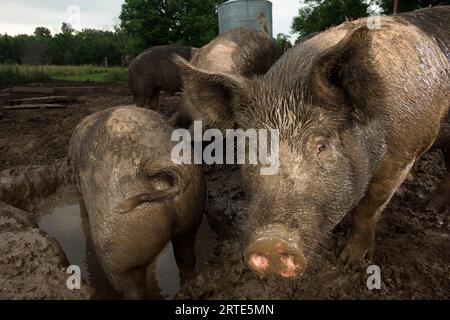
x,y
88,46
146,23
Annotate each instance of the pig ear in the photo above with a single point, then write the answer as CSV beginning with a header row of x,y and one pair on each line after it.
x,y
343,74
215,95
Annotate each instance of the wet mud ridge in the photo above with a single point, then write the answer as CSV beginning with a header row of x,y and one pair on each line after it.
x,y
32,264
39,238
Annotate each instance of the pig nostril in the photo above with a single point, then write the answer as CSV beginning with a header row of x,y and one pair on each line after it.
x,y
259,262
288,261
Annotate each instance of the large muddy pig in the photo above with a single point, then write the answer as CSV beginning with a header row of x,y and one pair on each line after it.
x,y
153,71
355,108
239,51
135,197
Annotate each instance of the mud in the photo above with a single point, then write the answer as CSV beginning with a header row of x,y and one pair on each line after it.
x,y
412,244
59,216
32,264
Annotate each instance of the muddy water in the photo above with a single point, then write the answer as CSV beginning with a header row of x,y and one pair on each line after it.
x,y
60,217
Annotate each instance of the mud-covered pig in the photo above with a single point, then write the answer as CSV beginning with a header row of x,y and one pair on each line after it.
x,y
354,108
239,51
135,197
153,71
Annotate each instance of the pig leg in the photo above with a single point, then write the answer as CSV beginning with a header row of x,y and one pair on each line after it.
x,y
154,98
132,284
141,101
184,251
441,197
366,215
97,276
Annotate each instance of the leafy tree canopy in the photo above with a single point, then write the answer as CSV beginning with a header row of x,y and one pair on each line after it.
x,y
88,46
283,43
67,29
319,15
155,22
41,32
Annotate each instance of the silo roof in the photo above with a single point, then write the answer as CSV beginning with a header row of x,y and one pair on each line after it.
x,y
231,1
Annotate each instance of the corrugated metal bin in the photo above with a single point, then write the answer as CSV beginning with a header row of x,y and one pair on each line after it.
x,y
254,14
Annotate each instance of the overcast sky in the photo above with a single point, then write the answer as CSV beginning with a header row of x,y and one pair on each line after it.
x,y
23,16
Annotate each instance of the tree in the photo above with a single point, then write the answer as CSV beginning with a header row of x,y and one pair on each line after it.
x,y
409,5
12,48
42,32
67,29
35,53
94,45
63,46
283,43
319,15
88,46
155,22
7,49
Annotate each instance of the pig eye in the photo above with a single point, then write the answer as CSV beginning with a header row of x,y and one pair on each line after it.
x,y
320,147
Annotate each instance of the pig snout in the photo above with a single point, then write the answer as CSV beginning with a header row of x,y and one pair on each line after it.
x,y
274,252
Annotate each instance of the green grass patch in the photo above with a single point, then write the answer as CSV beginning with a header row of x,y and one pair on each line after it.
x,y
117,75
17,74
93,77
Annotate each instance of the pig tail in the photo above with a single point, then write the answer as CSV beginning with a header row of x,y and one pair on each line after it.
x,y
177,176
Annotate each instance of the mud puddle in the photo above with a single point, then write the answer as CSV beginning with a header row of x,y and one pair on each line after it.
x,y
60,217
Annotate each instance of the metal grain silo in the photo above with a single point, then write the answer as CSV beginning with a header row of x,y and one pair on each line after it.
x,y
254,14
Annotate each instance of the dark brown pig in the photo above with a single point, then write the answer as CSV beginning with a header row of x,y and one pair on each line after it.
x,y
135,197
240,51
355,108
153,71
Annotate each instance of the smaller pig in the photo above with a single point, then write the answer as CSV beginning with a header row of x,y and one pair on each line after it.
x,y
135,198
153,71
241,51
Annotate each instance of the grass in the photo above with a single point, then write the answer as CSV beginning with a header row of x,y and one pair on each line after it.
x,y
93,77
18,74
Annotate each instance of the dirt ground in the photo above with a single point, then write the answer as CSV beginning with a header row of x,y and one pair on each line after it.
x,y
412,244
32,264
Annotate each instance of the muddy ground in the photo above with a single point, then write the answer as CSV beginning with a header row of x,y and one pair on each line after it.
x,y
412,243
